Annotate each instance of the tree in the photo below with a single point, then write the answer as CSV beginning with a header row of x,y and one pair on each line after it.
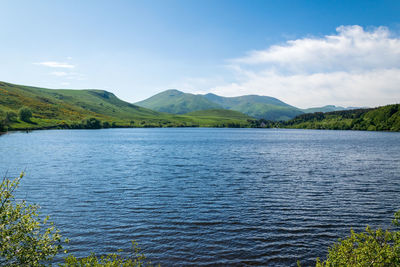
x,y
92,123
2,126
25,114
11,116
369,248
25,239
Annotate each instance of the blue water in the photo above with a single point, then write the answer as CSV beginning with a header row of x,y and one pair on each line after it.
x,y
208,196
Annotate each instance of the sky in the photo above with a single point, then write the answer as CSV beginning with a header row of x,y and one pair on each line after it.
x,y
305,53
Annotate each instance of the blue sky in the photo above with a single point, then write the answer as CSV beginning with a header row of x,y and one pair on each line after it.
x,y
296,51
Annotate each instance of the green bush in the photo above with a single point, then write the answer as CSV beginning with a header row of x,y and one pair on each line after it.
x,y
11,116
111,260
25,114
92,123
369,248
25,239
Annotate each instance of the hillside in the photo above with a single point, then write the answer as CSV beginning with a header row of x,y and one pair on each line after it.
x,y
327,108
220,113
260,107
53,108
386,118
176,102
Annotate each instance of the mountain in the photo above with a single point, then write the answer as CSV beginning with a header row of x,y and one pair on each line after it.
x,y
386,118
220,113
328,108
62,108
260,107
176,102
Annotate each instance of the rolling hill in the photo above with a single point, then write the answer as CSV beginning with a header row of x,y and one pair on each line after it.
x,y
327,108
61,108
260,107
386,118
176,102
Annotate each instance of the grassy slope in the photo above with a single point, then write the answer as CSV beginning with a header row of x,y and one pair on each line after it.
x,y
176,102
52,108
386,118
261,107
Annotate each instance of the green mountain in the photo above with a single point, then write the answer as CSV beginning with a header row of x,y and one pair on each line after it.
x,y
260,107
328,108
176,102
386,118
60,108
220,113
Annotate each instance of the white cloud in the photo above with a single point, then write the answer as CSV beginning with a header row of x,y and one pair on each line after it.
x,y
54,64
354,67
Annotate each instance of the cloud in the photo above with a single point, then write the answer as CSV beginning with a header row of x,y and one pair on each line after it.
x,y
353,67
54,64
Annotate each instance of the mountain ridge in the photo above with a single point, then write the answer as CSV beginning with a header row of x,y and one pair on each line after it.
x,y
174,101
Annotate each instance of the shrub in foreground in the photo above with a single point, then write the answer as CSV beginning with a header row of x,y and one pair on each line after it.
x,y
369,248
26,240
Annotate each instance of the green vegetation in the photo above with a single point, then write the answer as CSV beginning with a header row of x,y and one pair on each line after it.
x,y
386,118
27,240
76,109
369,248
176,102
328,108
24,114
260,107
40,108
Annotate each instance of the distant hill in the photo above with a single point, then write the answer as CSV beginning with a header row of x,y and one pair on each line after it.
x,y
61,108
328,108
386,118
176,102
221,113
260,107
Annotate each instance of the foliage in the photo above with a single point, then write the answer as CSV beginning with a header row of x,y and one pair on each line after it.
x,y
2,126
110,260
369,248
106,124
176,102
25,114
67,108
11,116
92,123
386,118
25,239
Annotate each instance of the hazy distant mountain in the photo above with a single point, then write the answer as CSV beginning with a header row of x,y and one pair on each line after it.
x,y
177,102
327,108
260,107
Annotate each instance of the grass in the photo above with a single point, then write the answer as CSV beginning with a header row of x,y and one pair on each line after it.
x,y
53,108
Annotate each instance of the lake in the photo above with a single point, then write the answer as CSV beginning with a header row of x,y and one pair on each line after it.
x,y
201,196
